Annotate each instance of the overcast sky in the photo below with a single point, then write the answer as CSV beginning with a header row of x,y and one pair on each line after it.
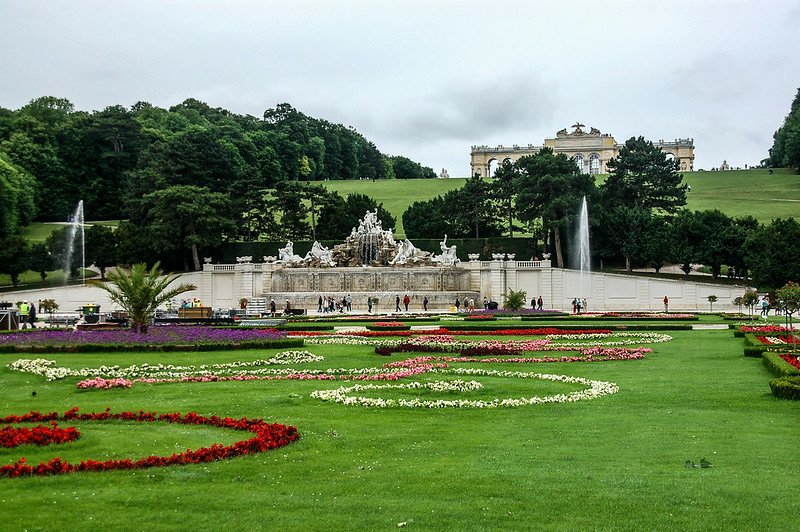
x,y
428,79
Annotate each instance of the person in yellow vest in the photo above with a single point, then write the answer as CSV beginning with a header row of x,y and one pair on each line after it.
x,y
24,309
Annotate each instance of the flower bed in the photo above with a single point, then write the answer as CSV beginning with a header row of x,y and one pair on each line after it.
x,y
764,329
164,338
38,435
793,360
342,395
49,370
267,437
99,383
388,326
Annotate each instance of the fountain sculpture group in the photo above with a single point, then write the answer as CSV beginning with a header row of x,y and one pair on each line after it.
x,y
370,262
369,245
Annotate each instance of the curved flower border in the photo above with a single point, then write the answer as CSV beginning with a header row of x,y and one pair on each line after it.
x,y
267,436
342,395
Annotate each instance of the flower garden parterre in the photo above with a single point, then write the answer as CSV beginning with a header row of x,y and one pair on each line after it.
x,y
267,436
587,346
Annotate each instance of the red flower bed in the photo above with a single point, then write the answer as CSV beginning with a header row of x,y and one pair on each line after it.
x,y
267,436
388,324
764,329
38,435
792,359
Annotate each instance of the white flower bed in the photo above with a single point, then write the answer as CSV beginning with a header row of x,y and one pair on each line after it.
x,y
343,395
50,371
295,357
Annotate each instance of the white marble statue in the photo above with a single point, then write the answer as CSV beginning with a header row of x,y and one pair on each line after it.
x,y
448,256
318,251
287,255
405,252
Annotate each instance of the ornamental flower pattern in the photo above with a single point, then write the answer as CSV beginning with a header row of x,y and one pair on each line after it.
x,y
343,395
267,437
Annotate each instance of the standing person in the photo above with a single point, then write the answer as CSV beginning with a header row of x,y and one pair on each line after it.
x,y
457,304
465,306
397,303
369,304
540,302
666,304
574,305
24,309
578,303
319,304
585,306
287,308
425,304
349,303
533,302
472,304
273,308
32,316
485,303
406,301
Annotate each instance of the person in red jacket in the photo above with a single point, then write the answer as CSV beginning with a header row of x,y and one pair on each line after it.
x,y
406,301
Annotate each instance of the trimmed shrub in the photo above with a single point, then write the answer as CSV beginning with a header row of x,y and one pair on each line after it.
x,y
755,351
786,387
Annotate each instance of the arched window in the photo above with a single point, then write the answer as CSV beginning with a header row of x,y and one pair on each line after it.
x,y
579,163
594,164
492,167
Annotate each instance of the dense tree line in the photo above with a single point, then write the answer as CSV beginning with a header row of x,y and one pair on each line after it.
x,y
785,151
186,177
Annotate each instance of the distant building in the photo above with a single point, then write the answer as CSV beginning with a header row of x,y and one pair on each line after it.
x,y
724,165
443,174
591,151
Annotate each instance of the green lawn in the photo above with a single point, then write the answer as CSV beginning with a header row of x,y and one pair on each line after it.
x,y
39,231
615,462
736,192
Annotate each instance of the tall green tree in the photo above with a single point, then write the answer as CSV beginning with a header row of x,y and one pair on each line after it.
x,y
14,257
102,248
785,149
643,176
291,210
187,217
712,246
551,187
40,260
772,253
17,192
503,191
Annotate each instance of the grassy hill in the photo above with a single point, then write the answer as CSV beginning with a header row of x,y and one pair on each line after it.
x,y
736,192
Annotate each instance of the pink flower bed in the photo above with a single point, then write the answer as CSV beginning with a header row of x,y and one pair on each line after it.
x,y
99,383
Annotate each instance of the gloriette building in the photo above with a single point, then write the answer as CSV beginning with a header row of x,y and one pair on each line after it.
x,y
591,151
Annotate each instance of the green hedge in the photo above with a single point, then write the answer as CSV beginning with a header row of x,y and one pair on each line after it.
x,y
379,328
786,387
117,348
755,351
778,366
